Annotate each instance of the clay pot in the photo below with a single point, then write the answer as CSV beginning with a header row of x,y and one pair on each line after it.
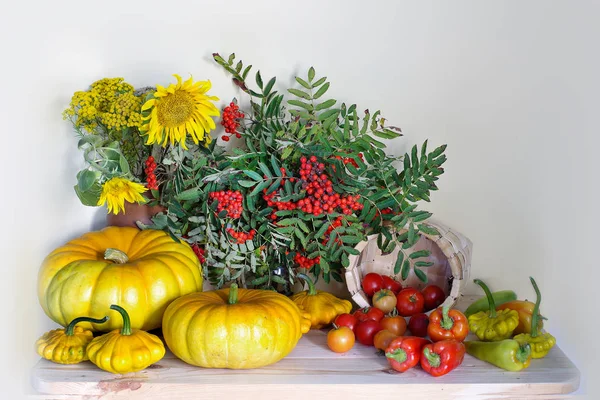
x,y
133,212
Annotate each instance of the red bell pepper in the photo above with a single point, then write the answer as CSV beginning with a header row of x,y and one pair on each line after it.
x,y
447,324
404,352
439,358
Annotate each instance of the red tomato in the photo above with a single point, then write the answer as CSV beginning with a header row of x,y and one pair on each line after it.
x,y
391,284
341,339
348,320
418,324
434,296
385,300
366,330
371,283
369,313
396,325
409,302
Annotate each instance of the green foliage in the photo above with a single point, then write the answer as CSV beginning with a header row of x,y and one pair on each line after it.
x,y
277,131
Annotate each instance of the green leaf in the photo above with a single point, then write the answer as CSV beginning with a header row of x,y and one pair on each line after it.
x,y
299,103
423,263
345,261
246,70
265,170
288,222
253,175
86,180
405,269
428,230
89,197
269,86
311,74
350,239
274,186
325,104
319,82
419,254
190,194
421,275
324,264
299,93
329,113
231,58
386,134
321,231
300,236
247,184
398,263
259,188
303,226
259,80
321,91
303,82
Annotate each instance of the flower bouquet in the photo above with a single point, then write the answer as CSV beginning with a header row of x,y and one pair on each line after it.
x,y
305,179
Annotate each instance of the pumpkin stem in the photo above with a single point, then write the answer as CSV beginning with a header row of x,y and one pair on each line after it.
x,y
233,293
126,330
311,285
71,327
116,255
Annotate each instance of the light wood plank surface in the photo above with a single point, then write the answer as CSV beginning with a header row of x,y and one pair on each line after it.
x,y
310,370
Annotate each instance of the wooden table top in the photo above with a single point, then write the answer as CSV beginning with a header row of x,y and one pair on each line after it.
x,y
310,370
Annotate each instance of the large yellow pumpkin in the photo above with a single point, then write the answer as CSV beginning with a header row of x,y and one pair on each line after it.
x,y
143,271
233,328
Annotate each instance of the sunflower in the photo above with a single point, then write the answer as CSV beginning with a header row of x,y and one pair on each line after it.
x,y
116,190
179,110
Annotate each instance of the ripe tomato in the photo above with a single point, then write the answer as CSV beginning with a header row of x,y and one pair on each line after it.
x,y
348,320
382,339
369,313
396,325
409,302
371,283
340,339
385,300
366,330
391,284
417,325
434,296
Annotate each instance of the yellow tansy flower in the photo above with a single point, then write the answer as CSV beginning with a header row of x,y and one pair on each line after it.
x,y
179,110
116,190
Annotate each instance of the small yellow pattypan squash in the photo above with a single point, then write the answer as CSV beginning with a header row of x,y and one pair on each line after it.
x,y
323,307
67,346
125,350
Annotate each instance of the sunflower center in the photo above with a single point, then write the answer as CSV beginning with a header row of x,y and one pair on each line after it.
x,y
175,109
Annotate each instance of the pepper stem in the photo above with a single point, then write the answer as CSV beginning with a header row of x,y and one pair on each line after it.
x,y
536,308
70,329
524,353
233,294
116,255
311,285
398,355
433,358
490,298
126,329
447,323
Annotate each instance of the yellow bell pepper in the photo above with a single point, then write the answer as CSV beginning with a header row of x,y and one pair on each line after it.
x,y
67,346
127,350
525,310
323,307
493,325
540,344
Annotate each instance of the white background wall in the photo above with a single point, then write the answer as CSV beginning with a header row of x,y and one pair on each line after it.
x,y
510,86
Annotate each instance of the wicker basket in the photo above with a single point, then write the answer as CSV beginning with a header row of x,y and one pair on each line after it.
x,y
450,252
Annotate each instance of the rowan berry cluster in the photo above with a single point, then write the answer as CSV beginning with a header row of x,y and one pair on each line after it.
x,y
305,262
335,224
199,251
231,116
348,160
241,237
230,200
150,175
